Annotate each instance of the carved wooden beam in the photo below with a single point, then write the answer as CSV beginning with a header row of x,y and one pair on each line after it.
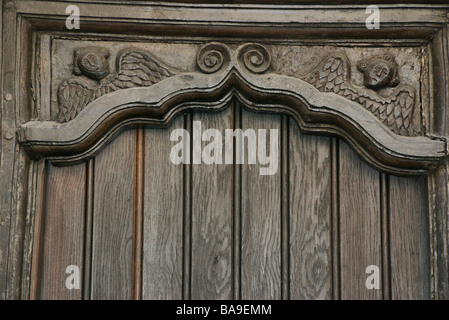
x,y
226,74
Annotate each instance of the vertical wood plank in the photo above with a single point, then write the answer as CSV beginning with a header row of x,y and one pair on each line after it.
x,y
63,230
261,213
163,217
212,218
113,219
409,238
360,228
37,254
438,201
309,215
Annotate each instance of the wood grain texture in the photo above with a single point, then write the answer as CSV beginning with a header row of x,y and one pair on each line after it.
x,y
360,229
212,219
63,230
7,146
439,208
409,239
113,219
309,216
163,210
261,217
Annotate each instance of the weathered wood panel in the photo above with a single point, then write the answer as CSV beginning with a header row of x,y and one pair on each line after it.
x,y
63,230
310,260
113,219
211,218
261,207
163,217
360,228
409,239
8,113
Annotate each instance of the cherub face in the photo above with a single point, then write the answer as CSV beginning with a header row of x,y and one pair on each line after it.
x,y
93,65
378,74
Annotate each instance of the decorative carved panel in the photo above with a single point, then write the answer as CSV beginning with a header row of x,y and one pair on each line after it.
x,y
378,117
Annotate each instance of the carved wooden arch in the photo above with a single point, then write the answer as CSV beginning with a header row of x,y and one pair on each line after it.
x,y
227,74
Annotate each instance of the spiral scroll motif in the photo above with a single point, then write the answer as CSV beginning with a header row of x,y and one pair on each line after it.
x,y
212,57
255,57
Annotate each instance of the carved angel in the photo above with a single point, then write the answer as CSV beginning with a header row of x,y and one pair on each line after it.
x,y
135,68
395,110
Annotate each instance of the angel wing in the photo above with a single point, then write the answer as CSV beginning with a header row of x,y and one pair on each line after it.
x,y
138,68
73,96
135,68
395,111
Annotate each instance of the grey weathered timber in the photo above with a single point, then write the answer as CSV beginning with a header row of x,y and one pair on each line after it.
x,y
309,213
409,239
261,219
65,230
211,224
163,218
360,228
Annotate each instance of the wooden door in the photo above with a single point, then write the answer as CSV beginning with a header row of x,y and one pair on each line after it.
x,y
223,231
355,206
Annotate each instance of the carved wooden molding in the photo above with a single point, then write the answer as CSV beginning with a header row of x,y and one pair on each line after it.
x,y
33,24
225,74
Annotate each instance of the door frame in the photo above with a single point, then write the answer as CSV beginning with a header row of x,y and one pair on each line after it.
x,y
29,26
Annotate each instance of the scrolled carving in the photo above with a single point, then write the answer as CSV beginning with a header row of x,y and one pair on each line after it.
x,y
212,57
314,111
255,57
394,110
135,68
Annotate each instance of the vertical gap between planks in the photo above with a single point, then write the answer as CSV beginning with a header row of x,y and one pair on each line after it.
x,y
385,235
37,255
335,219
237,207
187,214
285,208
138,213
88,230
